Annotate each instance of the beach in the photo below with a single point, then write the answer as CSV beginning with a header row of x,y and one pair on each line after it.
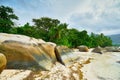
x,y
99,67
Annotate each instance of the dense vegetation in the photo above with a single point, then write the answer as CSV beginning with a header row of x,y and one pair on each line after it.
x,y
51,30
6,17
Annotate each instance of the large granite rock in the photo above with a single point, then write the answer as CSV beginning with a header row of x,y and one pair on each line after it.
x,y
49,49
19,39
65,55
98,50
3,62
23,52
83,48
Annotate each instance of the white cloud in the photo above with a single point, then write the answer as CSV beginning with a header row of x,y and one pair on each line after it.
x,y
109,32
98,16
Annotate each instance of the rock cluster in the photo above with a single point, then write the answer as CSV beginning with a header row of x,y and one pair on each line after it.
x,y
23,52
106,49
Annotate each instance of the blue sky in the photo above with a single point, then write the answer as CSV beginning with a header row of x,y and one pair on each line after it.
x,y
98,16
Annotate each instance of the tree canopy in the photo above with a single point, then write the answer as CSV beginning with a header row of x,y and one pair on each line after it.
x,y
6,17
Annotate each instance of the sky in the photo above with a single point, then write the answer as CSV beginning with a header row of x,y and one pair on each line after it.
x,y
98,16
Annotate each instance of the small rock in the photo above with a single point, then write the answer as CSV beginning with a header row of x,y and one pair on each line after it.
x,y
83,48
118,62
97,50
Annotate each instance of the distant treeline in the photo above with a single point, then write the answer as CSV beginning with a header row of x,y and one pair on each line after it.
x,y
51,30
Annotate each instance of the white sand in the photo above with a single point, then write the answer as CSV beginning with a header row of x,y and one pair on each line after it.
x,y
102,67
12,74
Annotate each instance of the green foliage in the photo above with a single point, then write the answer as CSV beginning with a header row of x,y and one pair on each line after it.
x,y
100,40
6,17
59,33
13,30
44,25
25,30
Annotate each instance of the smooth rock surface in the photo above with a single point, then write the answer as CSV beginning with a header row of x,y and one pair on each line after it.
x,y
4,37
65,55
83,48
21,56
3,62
23,52
98,50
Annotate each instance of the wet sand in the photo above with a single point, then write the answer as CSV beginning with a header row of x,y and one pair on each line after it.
x,y
103,67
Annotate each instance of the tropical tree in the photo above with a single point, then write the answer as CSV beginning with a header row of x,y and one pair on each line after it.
x,y
6,18
47,27
73,37
100,40
61,35
27,30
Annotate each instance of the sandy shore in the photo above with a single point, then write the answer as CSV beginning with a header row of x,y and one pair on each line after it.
x,y
12,74
103,67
